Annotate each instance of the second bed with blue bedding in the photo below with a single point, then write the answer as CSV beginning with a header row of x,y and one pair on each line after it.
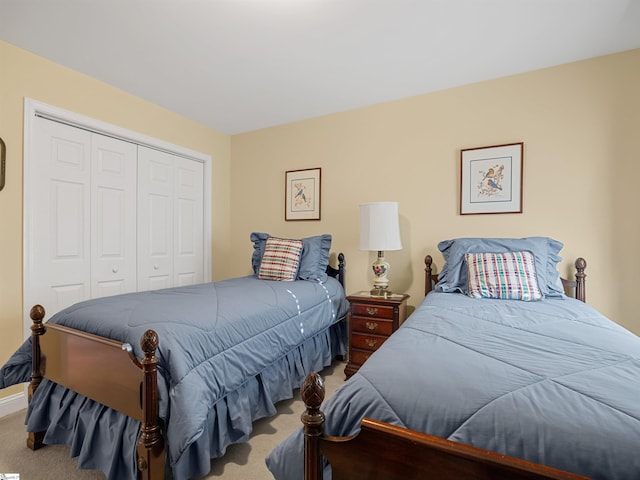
x,y
550,381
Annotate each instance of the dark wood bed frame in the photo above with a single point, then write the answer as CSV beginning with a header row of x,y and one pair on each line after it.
x,y
108,372
381,451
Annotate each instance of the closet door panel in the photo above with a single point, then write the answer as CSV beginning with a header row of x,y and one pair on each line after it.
x,y
155,219
59,198
113,219
189,227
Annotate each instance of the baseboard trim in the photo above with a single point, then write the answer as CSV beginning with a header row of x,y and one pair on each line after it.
x,y
12,404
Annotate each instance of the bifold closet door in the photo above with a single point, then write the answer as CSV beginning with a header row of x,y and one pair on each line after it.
x,y
113,216
188,224
81,224
170,220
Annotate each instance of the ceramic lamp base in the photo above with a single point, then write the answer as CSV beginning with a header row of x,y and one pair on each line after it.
x,y
381,282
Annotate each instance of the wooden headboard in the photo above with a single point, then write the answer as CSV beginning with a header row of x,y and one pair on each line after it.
x,y
381,451
576,286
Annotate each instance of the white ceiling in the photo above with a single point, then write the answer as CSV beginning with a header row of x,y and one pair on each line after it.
x,y
242,65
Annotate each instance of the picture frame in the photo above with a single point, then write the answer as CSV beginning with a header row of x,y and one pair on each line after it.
x,y
302,194
3,159
491,179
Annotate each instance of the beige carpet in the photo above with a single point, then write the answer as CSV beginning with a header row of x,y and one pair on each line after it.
x,y
242,461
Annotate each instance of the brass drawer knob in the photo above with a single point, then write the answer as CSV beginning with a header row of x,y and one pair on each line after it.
x,y
370,342
371,325
372,311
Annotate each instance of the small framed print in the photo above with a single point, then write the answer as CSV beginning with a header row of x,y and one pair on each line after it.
x,y
491,179
3,159
302,194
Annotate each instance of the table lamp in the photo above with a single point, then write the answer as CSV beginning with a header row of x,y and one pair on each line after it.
x,y
380,230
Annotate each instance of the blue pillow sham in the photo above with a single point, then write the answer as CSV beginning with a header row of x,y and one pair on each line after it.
x,y
453,277
314,259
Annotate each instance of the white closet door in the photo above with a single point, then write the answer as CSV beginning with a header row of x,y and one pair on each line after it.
x,y
59,198
188,222
113,217
155,219
170,220
95,224
82,200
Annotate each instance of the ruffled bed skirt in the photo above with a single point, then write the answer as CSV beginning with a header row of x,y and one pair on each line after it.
x,y
105,440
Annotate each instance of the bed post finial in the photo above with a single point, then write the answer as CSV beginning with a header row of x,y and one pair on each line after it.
x,y
313,419
581,264
151,444
428,261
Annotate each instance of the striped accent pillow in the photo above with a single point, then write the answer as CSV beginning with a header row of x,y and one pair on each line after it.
x,y
508,276
281,259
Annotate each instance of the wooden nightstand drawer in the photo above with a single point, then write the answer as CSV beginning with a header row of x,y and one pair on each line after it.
x,y
367,342
372,325
372,320
379,311
358,357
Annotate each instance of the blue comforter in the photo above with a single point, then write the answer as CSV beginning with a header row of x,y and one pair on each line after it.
x,y
228,351
553,382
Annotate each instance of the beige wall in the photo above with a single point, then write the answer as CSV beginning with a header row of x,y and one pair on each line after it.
x,y
26,75
625,174
579,122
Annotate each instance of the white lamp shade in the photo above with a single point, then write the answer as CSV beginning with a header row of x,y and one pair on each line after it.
x,y
379,226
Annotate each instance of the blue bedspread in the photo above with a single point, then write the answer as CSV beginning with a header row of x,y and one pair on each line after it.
x,y
228,351
553,382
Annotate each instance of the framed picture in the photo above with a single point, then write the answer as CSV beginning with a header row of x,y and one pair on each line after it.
x,y
491,179
302,194
3,159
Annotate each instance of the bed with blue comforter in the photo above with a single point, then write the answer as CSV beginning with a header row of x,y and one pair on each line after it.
x,y
228,351
551,381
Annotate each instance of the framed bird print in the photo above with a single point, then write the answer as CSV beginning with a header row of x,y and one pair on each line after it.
x,y
491,179
302,194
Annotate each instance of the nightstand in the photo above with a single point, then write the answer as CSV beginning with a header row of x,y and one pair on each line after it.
x,y
372,320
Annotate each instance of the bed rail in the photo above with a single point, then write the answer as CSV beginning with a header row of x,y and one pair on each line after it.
x,y
106,371
577,286
381,451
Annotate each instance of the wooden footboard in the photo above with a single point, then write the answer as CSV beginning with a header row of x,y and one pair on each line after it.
x,y
381,451
105,371
577,286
